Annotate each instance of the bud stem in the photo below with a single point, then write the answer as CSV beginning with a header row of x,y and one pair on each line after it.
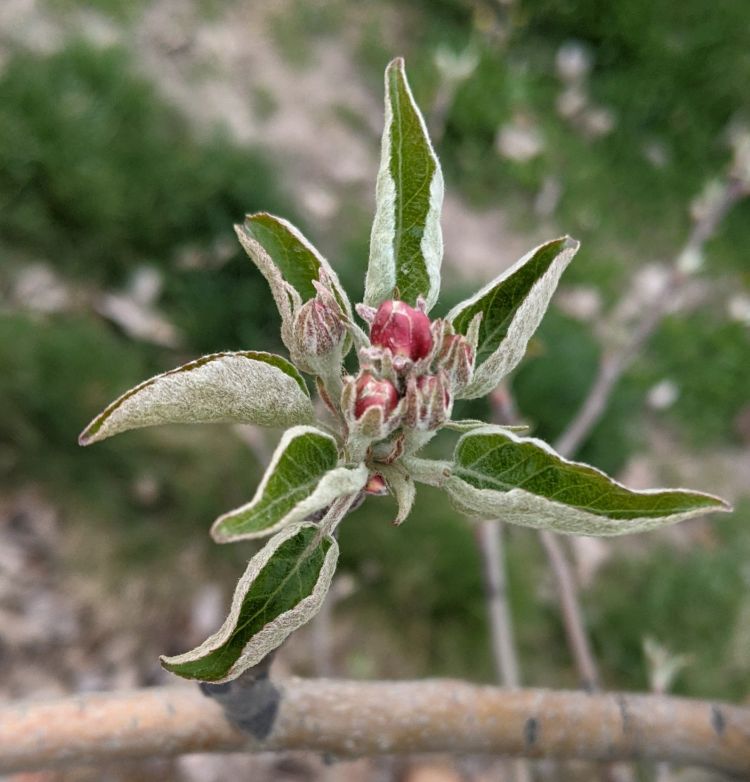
x,y
336,514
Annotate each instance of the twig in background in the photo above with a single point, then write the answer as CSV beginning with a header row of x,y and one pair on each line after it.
x,y
616,361
504,652
505,412
490,535
489,538
502,636
613,364
572,616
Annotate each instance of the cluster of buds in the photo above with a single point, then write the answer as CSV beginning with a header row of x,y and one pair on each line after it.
x,y
409,374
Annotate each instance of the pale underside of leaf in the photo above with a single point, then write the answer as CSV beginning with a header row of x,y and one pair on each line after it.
x,y
406,245
283,588
523,481
244,387
511,308
469,424
302,479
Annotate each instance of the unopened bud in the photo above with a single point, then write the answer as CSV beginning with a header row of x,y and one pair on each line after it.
x,y
456,357
371,392
434,387
405,331
429,401
318,329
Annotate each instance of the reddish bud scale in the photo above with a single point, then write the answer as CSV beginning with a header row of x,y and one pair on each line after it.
x,y
433,387
456,357
405,331
318,328
371,392
428,402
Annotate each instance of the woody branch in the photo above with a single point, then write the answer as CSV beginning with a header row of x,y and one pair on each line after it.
x,y
348,719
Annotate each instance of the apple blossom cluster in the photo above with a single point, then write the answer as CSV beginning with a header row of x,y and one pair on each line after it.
x,y
410,370
409,375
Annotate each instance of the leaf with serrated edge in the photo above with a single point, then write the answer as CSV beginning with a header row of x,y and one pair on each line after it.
x,y
401,486
245,387
285,257
497,474
406,244
511,307
301,479
283,588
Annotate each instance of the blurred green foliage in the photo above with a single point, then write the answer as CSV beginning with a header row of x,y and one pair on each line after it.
x,y
695,602
551,385
707,358
121,10
97,173
55,373
672,82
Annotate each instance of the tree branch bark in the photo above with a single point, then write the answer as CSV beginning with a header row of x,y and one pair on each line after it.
x,y
349,718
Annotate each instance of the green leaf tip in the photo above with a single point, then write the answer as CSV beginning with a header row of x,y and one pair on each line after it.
x,y
283,587
303,478
295,257
406,245
242,387
291,265
510,309
498,474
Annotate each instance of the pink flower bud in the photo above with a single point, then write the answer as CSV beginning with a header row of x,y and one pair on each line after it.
x,y
372,392
376,485
402,329
317,326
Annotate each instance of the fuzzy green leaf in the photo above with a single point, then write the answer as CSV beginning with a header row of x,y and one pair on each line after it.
x,y
406,246
283,587
511,308
246,387
289,262
302,478
498,474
